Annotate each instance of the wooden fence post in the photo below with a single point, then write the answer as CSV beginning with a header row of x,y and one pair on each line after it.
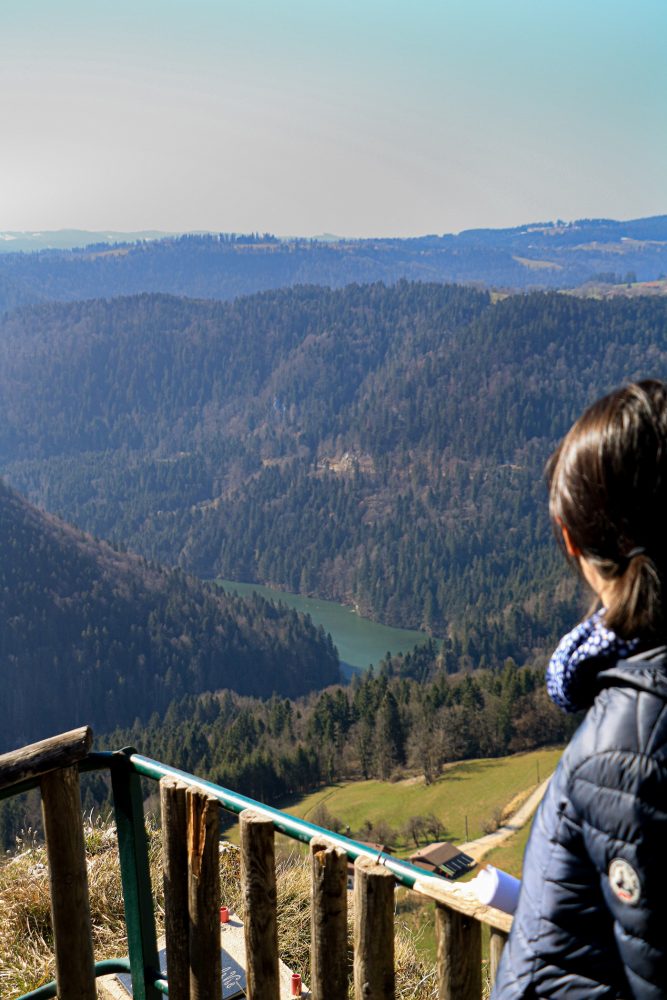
x,y
497,942
459,955
374,976
203,819
328,922
175,869
258,880
70,905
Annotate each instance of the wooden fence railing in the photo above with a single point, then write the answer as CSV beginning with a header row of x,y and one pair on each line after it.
x,y
190,830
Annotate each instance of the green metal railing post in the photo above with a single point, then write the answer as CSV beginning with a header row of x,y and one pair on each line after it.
x,y
135,877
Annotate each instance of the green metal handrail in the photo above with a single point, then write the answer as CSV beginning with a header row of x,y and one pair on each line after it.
x,y
127,767
298,829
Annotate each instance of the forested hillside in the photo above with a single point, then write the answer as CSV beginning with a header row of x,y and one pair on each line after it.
x,y
382,446
538,255
92,635
407,713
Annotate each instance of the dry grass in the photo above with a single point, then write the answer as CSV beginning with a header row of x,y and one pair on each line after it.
x,y
515,803
26,937
414,978
26,940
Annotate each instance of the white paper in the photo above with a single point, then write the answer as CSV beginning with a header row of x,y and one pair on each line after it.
x,y
494,887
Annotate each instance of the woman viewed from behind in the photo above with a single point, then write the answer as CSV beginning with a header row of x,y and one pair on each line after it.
x,y
592,915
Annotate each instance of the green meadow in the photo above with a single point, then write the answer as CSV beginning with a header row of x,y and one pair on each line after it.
x,y
509,856
473,791
479,791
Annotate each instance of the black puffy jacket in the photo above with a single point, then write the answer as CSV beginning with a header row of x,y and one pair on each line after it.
x,y
592,915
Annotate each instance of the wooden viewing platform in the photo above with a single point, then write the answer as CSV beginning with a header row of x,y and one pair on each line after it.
x,y
190,809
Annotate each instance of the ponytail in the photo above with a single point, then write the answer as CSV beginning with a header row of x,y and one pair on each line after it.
x,y
636,607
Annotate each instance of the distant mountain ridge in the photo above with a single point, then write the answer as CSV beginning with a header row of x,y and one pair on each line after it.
x,y
224,266
27,241
93,635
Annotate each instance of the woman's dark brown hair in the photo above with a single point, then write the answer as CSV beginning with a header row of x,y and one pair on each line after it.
x,y
608,487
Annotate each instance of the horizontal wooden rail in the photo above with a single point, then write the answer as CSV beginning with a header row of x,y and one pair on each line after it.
x,y
459,898
31,762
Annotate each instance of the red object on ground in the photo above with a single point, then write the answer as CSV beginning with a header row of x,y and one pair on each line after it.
x,y
296,984
224,915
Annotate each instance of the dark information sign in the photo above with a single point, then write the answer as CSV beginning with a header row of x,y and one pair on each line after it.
x,y
233,976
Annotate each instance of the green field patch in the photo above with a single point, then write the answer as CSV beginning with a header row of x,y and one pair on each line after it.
x,y
476,791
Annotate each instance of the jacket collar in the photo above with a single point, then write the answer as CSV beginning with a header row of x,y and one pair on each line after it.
x,y
646,671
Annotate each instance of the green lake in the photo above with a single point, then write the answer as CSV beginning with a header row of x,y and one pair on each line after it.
x,y
359,641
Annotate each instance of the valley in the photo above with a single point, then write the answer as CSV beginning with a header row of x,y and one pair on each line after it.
x,y
369,457
379,447
92,633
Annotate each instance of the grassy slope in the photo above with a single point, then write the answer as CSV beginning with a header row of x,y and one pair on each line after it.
x,y
417,915
509,857
477,789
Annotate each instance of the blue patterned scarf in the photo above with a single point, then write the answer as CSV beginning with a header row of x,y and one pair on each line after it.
x,y
579,655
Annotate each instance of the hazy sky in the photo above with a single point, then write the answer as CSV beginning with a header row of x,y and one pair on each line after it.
x,y
369,117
